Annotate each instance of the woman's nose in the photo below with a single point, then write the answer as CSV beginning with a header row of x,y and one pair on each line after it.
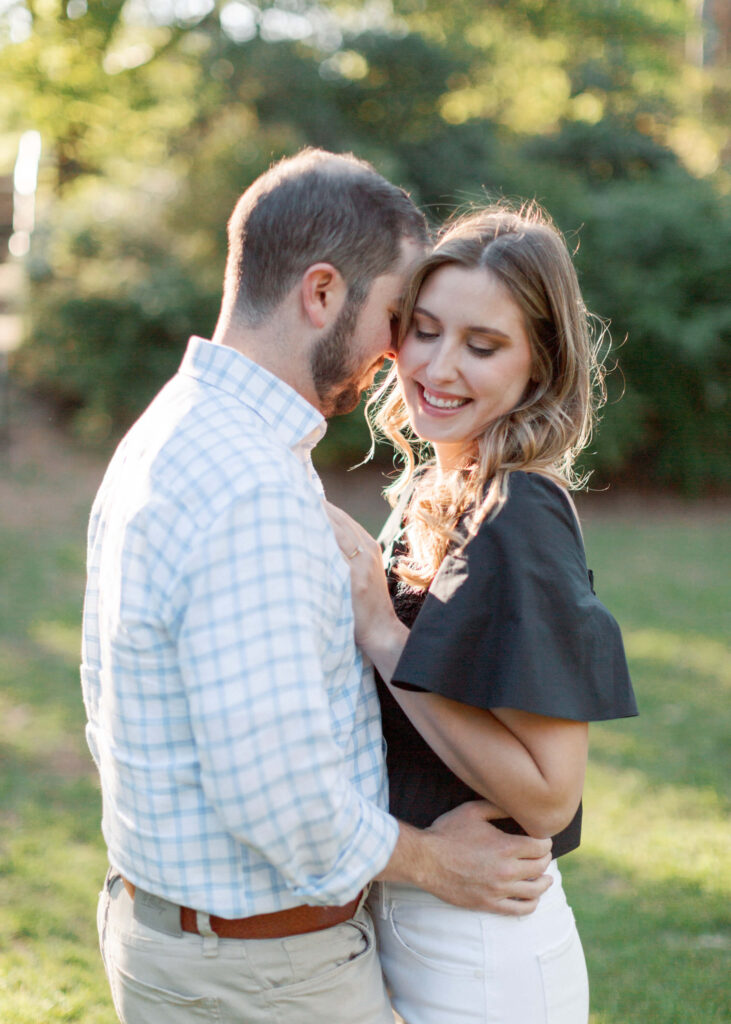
x,y
442,365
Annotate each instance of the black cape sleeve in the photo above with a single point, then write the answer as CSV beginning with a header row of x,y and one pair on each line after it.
x,y
511,620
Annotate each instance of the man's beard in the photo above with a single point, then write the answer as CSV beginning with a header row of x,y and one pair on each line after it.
x,y
334,373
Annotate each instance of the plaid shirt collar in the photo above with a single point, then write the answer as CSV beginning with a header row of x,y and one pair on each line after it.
x,y
297,423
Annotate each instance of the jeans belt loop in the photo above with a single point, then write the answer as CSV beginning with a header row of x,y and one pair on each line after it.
x,y
210,939
381,901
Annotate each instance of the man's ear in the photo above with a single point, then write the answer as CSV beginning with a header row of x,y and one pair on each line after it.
x,y
323,292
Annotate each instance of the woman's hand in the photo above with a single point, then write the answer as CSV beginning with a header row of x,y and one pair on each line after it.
x,y
378,631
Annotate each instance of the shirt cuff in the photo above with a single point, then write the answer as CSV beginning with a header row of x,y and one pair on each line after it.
x,y
366,854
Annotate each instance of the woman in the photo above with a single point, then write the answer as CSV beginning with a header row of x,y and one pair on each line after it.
x,y
492,650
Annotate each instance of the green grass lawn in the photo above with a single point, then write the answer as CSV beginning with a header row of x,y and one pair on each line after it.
x,y
650,885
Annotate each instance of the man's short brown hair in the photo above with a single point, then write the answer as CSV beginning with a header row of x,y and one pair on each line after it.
x,y
314,207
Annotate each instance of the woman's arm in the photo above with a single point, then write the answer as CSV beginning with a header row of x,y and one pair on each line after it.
x,y
530,765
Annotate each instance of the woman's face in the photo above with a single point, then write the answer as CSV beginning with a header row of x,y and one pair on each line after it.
x,y
465,360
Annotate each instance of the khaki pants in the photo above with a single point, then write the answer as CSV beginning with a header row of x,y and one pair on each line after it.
x,y
327,977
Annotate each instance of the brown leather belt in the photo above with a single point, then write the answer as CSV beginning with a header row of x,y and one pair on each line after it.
x,y
295,921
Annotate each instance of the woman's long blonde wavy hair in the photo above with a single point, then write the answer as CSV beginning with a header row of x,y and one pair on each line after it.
x,y
550,425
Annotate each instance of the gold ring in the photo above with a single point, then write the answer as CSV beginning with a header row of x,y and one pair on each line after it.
x,y
356,551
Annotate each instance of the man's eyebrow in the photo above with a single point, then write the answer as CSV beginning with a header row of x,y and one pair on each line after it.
x,y
493,332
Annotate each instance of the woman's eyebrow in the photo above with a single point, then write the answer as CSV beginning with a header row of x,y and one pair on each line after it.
x,y
492,331
425,312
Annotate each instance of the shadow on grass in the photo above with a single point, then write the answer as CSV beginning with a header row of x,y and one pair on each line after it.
x,y
661,576
681,736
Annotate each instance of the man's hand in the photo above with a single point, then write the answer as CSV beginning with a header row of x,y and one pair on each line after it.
x,y
464,860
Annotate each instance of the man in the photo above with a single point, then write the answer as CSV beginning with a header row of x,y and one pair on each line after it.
x,y
235,726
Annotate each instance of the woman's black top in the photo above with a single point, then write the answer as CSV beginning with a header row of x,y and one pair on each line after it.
x,y
510,620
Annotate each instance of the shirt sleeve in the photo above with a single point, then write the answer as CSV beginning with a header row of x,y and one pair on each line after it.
x,y
512,621
251,643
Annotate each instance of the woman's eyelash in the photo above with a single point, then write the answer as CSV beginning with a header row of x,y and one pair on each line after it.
x,y
423,335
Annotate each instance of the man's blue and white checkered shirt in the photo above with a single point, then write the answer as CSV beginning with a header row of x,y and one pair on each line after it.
x,y
235,727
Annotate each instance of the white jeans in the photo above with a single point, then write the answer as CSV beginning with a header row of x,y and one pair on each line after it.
x,y
445,965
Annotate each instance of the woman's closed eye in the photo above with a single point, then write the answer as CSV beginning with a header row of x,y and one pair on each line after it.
x,y
482,351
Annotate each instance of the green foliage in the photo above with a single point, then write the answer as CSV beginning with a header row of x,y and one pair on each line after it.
x,y
589,107
652,255
113,306
655,254
610,150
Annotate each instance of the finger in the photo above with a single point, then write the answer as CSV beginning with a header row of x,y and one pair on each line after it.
x,y
514,908
344,534
336,516
521,897
340,515
365,539
532,867
484,809
480,810
528,848
346,540
348,532
528,889
515,903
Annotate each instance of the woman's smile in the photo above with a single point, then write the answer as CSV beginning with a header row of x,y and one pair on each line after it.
x,y
438,402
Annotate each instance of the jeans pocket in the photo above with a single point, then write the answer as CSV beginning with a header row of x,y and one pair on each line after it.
x,y
565,981
141,1002
442,939
102,918
318,958
340,980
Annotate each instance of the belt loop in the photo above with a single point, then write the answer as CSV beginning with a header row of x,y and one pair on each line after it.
x,y
381,899
210,939
363,897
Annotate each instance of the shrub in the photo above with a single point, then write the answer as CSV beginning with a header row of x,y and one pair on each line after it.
x,y
112,308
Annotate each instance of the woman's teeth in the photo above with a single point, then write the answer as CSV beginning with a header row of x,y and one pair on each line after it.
x,y
443,403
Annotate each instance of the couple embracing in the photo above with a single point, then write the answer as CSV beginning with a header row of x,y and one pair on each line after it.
x,y
245,654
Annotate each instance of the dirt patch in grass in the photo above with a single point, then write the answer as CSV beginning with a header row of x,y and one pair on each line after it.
x,y
619,504
360,493
47,478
